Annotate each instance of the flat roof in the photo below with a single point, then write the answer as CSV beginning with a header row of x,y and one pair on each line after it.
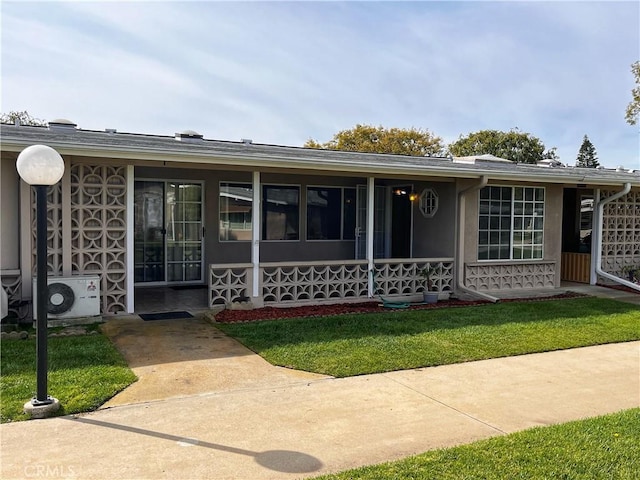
x,y
68,140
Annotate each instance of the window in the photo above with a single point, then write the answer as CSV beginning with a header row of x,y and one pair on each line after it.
x,y
280,213
428,202
510,223
349,214
331,213
586,223
236,205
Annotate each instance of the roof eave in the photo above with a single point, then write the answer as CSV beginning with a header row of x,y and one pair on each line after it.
x,y
261,160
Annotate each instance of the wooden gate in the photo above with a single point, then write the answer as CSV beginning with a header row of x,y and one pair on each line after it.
x,y
575,267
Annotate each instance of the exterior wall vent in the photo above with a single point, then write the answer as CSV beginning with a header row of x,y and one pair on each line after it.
x,y
470,160
62,124
189,136
550,162
473,159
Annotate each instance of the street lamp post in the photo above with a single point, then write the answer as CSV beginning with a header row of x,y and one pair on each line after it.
x,y
41,166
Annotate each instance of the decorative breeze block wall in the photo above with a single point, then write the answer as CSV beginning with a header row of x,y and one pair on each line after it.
x,y
299,283
98,229
229,283
314,282
12,284
510,276
621,233
54,230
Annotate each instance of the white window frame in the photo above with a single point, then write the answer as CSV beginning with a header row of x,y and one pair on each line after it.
x,y
428,202
512,217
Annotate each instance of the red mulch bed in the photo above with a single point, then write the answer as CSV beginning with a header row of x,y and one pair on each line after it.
x,y
325,310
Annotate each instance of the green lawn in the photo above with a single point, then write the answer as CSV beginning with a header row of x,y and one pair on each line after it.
x,y
84,372
395,340
604,448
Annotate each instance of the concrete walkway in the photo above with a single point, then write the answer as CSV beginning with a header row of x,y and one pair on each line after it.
x,y
178,358
582,288
604,292
314,426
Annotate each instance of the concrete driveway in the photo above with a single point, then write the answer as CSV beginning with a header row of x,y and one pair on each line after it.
x,y
178,358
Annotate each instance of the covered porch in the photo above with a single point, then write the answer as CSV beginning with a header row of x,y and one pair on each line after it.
x,y
334,244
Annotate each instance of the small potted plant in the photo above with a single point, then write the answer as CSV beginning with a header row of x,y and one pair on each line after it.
x,y
430,293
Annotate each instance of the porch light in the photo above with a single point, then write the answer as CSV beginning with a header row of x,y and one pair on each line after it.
x,y
400,192
41,166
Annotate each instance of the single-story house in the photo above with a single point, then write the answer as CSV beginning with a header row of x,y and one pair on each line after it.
x,y
289,225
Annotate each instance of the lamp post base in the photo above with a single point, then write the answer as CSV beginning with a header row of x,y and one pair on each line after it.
x,y
38,409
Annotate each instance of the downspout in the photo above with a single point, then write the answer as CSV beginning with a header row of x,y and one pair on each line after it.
x,y
460,251
593,276
599,225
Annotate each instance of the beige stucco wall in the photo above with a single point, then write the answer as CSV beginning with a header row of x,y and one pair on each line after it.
x,y
9,213
552,232
553,226
435,237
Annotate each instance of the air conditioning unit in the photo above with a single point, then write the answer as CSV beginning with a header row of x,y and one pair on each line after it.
x,y
71,297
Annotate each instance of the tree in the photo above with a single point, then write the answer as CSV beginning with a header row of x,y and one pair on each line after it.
x,y
520,147
23,117
551,154
633,109
369,139
587,155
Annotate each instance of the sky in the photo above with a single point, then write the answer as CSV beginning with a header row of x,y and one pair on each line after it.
x,y
283,72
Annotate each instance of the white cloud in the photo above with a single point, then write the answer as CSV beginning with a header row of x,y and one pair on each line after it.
x,y
284,72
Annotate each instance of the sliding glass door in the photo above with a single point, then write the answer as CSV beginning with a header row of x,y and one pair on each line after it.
x,y
168,236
